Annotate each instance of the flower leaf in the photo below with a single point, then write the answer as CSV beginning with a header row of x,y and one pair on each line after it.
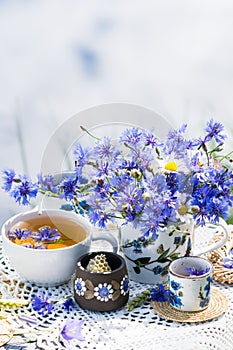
x,y
162,257
174,256
115,284
142,261
116,295
137,269
89,294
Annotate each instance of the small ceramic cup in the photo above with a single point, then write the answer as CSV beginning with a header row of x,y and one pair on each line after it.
x,y
105,291
189,283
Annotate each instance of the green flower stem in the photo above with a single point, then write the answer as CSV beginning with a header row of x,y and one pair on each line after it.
x,y
224,157
49,193
62,300
88,132
139,299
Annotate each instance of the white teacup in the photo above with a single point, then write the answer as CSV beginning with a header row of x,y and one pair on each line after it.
x,y
51,267
189,283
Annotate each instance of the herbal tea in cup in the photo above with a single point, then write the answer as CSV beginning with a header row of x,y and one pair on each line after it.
x,y
47,233
42,265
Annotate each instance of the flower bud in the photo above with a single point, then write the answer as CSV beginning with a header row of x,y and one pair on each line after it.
x,y
124,207
146,196
195,209
136,174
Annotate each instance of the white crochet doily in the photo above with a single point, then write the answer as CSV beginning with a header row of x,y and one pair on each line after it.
x,y
139,329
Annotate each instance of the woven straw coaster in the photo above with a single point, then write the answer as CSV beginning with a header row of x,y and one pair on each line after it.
x,y
217,306
221,274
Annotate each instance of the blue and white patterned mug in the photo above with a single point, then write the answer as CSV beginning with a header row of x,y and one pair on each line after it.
x,y
189,283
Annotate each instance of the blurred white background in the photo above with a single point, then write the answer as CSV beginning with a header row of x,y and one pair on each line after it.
x,y
59,57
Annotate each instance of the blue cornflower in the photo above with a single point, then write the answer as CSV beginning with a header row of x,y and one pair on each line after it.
x,y
103,189
149,224
82,155
176,144
131,136
69,188
38,246
104,149
157,211
150,139
24,191
228,260
130,201
19,233
214,130
128,165
157,184
103,169
8,179
195,164
119,181
46,183
159,293
83,207
212,194
97,215
28,318
68,304
71,330
192,271
210,208
103,219
46,234
144,158
172,180
42,303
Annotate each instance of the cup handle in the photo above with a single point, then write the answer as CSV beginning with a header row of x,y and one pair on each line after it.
x,y
215,245
106,236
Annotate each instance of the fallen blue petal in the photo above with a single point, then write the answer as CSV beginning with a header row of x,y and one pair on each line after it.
x,y
227,262
28,318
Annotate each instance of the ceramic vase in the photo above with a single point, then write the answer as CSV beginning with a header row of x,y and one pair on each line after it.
x,y
148,259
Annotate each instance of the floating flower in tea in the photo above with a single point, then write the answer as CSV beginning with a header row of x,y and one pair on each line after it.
x,y
192,271
44,233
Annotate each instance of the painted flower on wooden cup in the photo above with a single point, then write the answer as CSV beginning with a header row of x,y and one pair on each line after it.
x,y
79,286
103,292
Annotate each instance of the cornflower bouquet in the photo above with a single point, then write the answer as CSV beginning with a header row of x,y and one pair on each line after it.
x,y
142,180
